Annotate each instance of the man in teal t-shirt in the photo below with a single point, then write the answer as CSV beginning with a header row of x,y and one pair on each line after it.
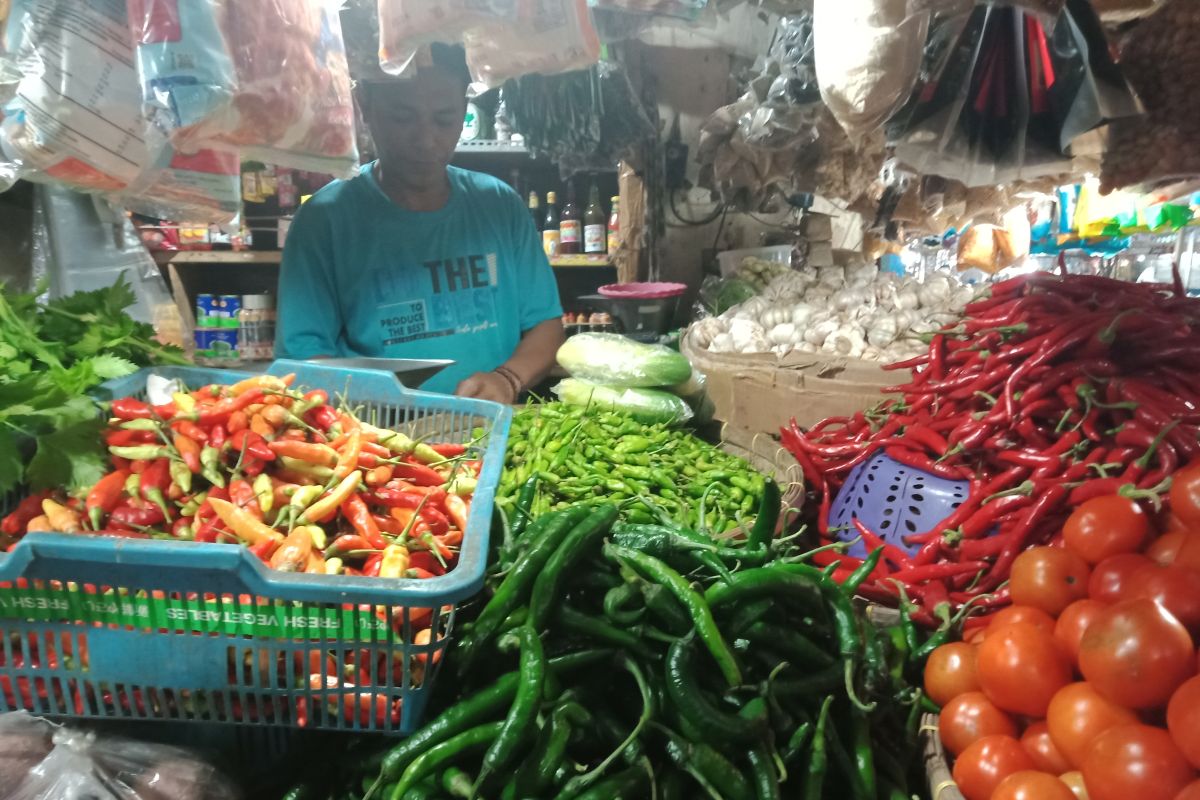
x,y
413,258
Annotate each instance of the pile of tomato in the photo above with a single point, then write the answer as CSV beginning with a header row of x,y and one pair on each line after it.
x,y
1086,688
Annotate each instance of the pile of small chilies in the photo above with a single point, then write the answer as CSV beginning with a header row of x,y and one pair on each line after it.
x,y
305,486
1053,390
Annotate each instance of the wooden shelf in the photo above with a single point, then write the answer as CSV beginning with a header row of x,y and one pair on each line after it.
x,y
491,147
218,256
582,262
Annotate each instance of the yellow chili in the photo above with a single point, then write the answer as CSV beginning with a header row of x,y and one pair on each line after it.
x,y
245,525
264,491
327,506
395,561
60,517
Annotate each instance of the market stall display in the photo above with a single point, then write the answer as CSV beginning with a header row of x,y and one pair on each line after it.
x,y
1115,607
857,312
1054,390
596,669
561,454
610,372
356,598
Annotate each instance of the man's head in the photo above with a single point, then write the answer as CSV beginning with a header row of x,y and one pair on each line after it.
x,y
416,121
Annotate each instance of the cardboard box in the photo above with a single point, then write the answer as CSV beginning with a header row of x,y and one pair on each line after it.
x,y
763,392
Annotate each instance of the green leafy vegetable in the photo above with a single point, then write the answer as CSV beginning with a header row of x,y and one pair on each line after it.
x,y
50,356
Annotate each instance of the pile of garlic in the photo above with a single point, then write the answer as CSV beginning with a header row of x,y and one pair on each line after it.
x,y
855,312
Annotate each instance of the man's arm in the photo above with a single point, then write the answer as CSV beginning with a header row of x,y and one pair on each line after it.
x,y
530,362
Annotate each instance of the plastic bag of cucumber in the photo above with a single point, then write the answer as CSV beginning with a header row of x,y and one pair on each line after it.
x,y
617,660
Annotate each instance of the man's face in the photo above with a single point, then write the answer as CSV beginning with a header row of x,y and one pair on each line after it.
x,y
416,123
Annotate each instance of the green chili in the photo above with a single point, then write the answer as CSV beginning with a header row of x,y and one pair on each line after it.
x,y
579,542
512,591
692,601
683,689
818,762
519,721
441,755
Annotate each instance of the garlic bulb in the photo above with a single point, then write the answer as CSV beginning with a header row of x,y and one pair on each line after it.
x,y
882,331
782,334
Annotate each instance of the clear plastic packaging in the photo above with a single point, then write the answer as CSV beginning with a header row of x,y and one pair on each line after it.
x,y
76,119
868,57
648,405
43,761
616,360
405,26
268,79
548,37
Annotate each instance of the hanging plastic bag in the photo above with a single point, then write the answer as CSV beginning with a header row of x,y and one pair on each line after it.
x,y
101,767
268,79
405,26
76,118
868,58
549,37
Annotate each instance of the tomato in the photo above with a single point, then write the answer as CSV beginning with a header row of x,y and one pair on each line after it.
x,y
1183,720
1190,792
980,768
975,635
1020,668
1135,762
1165,549
1104,527
1041,748
1175,588
1074,782
1185,495
1073,621
1077,715
1019,613
1032,785
950,671
968,718
1049,578
1135,654
1110,576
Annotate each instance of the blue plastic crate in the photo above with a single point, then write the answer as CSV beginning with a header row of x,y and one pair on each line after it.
x,y
206,633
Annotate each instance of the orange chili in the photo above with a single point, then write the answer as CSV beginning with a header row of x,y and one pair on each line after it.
x,y
356,511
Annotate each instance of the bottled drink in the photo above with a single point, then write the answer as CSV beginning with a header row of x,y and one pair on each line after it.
x,y
535,211
551,238
614,226
593,224
570,227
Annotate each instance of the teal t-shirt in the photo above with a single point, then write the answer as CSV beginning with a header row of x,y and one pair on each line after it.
x,y
362,276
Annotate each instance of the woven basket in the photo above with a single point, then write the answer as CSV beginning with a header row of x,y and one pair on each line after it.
x,y
768,457
937,765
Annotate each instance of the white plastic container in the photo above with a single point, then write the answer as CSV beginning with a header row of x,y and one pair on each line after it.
x,y
730,260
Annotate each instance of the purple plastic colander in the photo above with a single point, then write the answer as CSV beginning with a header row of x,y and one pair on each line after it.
x,y
894,501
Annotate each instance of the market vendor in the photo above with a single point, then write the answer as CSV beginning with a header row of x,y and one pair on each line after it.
x,y
414,258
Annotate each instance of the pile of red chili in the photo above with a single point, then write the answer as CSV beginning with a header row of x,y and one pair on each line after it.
x,y
1052,390
305,485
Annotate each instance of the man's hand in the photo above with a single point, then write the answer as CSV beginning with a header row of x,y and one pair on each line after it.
x,y
487,386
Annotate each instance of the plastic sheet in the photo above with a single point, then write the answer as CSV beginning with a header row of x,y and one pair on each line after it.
x,y
48,762
1005,94
268,79
648,405
868,56
504,38
76,119
549,37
